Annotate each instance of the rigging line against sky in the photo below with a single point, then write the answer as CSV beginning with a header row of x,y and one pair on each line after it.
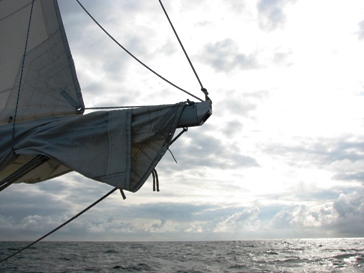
x,y
135,58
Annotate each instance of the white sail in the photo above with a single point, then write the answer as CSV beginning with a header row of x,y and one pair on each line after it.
x,y
49,85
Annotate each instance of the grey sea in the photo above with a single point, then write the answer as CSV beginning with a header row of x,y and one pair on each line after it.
x,y
304,255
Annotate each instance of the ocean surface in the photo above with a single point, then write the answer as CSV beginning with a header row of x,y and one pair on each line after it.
x,y
305,255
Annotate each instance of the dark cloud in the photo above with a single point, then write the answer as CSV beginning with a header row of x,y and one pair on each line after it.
x,y
271,13
50,199
349,205
240,107
319,151
281,58
326,219
171,211
359,176
345,149
224,56
166,220
232,128
215,152
242,104
351,210
236,6
307,192
341,156
20,204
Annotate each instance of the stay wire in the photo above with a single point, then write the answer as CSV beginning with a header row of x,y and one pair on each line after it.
x,y
21,74
65,223
135,58
204,90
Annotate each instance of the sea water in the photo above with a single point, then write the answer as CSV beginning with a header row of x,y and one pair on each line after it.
x,y
304,255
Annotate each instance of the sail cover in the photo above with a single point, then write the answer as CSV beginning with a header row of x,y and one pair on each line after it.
x,y
49,85
120,148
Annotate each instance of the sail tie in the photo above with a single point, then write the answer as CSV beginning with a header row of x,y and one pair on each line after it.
x,y
155,180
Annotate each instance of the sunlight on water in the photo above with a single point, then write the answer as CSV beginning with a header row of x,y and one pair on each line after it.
x,y
306,255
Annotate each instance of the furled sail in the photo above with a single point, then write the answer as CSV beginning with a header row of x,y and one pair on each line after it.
x,y
120,148
49,85
43,132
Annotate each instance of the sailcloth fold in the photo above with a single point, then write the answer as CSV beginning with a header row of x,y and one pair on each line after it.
x,y
120,148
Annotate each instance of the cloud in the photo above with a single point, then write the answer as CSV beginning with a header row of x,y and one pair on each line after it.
x,y
217,153
271,14
359,176
326,219
361,30
321,151
282,58
232,128
32,203
224,56
190,221
240,220
330,218
241,104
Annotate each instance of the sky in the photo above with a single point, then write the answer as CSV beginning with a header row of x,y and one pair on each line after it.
x,y
281,157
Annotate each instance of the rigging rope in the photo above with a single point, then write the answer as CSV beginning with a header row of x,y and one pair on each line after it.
x,y
204,90
135,58
21,75
65,223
